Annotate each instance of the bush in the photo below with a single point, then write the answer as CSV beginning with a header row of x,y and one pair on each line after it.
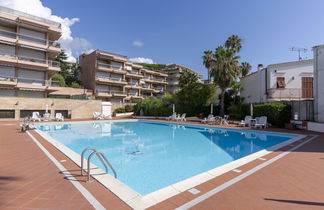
x,y
59,78
129,108
238,111
120,110
278,113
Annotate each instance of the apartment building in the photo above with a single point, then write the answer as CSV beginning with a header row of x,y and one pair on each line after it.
x,y
319,84
113,78
28,47
173,71
279,82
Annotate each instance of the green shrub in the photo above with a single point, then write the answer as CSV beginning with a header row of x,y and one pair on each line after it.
x,y
278,113
129,108
59,78
120,110
238,111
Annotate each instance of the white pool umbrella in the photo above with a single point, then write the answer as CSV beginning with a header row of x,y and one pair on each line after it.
x,y
46,108
211,108
251,110
173,108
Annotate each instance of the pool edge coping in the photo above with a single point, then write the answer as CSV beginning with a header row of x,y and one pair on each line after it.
x,y
138,201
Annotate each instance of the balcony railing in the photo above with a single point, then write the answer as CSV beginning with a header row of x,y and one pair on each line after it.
x,y
105,65
8,79
33,17
290,93
32,39
134,94
115,54
31,81
30,59
111,78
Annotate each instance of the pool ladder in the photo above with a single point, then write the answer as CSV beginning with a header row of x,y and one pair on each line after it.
x,y
102,159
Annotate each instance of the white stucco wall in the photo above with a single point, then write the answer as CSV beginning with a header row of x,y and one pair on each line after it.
x,y
292,74
319,83
254,87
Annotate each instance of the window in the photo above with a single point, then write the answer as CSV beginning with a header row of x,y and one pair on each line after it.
x,y
307,87
281,82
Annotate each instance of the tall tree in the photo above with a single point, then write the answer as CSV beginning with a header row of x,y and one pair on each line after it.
x,y
207,61
234,42
225,70
187,78
245,68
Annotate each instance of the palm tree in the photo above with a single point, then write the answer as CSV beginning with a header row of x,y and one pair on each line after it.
x,y
225,69
245,68
234,42
207,60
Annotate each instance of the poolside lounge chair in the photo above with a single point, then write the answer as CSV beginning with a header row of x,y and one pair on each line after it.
x,y
224,120
106,116
27,124
97,116
246,122
209,119
261,122
181,118
172,117
59,117
35,117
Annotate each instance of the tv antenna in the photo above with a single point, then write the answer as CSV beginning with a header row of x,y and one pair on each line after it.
x,y
299,50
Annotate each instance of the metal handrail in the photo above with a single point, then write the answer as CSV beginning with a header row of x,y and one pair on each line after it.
x,y
103,159
82,155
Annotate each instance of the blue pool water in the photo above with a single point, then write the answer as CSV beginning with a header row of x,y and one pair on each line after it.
x,y
151,155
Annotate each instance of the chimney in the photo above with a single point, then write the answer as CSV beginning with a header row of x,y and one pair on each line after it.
x,y
260,67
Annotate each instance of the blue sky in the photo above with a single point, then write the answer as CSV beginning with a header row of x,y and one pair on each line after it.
x,y
178,31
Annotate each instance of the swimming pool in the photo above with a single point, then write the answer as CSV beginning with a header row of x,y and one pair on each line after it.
x,y
148,155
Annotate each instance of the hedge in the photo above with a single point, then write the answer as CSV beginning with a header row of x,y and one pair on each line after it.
x,y
278,113
238,111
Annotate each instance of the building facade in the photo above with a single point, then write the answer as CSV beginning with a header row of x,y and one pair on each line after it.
x,y
279,82
173,71
113,78
319,83
28,47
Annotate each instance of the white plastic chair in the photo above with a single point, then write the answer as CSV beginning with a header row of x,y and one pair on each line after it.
x,y
210,118
261,122
246,122
59,117
183,117
35,117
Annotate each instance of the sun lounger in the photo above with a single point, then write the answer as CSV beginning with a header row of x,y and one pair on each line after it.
x,y
97,116
35,117
209,119
59,117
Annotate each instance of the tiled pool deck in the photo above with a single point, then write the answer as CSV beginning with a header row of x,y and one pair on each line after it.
x,y
29,179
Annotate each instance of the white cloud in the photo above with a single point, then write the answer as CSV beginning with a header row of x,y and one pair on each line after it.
x,y
138,43
141,60
72,45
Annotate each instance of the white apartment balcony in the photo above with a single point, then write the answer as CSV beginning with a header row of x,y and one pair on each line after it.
x,y
110,68
289,94
23,61
133,85
134,74
17,17
27,83
116,93
134,95
8,81
113,56
103,93
111,80
22,39
147,87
